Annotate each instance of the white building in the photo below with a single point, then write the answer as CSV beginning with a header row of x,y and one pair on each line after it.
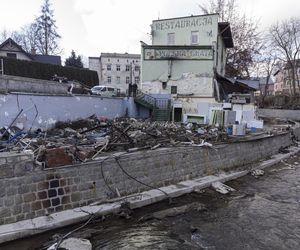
x,y
185,59
117,70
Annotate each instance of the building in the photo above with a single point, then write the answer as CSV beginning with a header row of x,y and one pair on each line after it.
x,y
283,79
187,61
279,82
117,70
9,48
266,89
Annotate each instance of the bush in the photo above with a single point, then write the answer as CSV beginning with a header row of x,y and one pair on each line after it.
x,y
46,71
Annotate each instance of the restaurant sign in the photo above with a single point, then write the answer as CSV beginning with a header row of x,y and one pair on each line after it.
x,y
178,54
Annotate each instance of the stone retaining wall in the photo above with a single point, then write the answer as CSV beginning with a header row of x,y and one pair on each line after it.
x,y
280,113
28,191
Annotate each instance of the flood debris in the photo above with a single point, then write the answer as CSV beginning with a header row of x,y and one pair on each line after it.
x,y
257,172
95,137
222,188
88,139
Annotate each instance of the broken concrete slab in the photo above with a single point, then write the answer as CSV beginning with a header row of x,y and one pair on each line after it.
x,y
73,244
222,188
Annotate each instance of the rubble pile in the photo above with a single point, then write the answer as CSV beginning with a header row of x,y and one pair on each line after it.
x,y
87,139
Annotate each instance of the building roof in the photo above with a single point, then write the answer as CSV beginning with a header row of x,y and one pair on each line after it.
x,y
247,84
11,41
288,65
56,60
263,80
121,55
225,32
157,20
35,57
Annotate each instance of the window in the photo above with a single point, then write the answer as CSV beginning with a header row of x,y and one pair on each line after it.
x,y
108,67
195,37
127,67
118,67
109,79
171,38
118,79
136,79
110,89
137,68
164,85
11,55
173,90
127,79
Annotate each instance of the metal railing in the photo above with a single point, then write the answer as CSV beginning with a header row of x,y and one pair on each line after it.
x,y
145,97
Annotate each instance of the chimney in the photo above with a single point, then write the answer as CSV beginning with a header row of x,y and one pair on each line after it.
x,y
33,51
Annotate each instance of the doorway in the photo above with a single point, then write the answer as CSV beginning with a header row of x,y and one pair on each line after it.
x,y
177,114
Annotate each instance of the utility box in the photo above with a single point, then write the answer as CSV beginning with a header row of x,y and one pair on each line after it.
x,y
229,117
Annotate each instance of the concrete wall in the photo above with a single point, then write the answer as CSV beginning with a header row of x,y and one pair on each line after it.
x,y
28,191
280,113
200,85
43,111
24,84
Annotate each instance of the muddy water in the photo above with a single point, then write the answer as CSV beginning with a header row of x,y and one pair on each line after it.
x,y
263,213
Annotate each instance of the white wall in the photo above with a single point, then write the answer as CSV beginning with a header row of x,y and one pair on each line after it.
x,y
50,109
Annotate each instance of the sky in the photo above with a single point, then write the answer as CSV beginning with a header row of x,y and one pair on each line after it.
x,y
90,27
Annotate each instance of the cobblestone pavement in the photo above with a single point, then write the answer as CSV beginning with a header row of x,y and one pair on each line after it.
x,y
263,213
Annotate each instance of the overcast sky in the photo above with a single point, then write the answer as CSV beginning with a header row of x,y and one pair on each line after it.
x,y
94,26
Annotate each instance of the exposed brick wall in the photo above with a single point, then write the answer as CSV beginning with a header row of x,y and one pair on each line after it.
x,y
28,191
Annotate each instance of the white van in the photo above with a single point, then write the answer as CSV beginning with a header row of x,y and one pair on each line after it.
x,y
105,91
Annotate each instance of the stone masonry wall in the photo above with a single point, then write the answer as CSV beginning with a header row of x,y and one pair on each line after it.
x,y
28,191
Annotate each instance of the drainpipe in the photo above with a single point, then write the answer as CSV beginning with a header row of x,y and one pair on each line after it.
x,y
170,64
217,89
2,67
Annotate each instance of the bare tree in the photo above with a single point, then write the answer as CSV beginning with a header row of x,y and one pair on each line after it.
x,y
285,37
246,38
28,37
267,62
5,34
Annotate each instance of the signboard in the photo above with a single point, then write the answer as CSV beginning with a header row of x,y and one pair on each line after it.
x,y
178,54
185,22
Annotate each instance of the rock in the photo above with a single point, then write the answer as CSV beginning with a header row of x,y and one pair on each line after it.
x,y
76,244
222,188
257,172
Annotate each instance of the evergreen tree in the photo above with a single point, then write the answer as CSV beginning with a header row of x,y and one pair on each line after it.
x,y
46,34
74,61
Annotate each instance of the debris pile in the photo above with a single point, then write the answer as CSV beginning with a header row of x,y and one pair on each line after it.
x,y
87,139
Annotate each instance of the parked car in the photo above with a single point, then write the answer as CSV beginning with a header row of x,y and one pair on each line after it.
x,y
105,91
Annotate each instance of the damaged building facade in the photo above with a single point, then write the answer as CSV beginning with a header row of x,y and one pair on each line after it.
x,y
186,58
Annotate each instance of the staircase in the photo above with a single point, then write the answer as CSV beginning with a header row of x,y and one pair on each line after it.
x,y
160,108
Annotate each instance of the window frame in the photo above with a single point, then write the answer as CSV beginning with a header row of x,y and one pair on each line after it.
x,y
171,38
193,35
